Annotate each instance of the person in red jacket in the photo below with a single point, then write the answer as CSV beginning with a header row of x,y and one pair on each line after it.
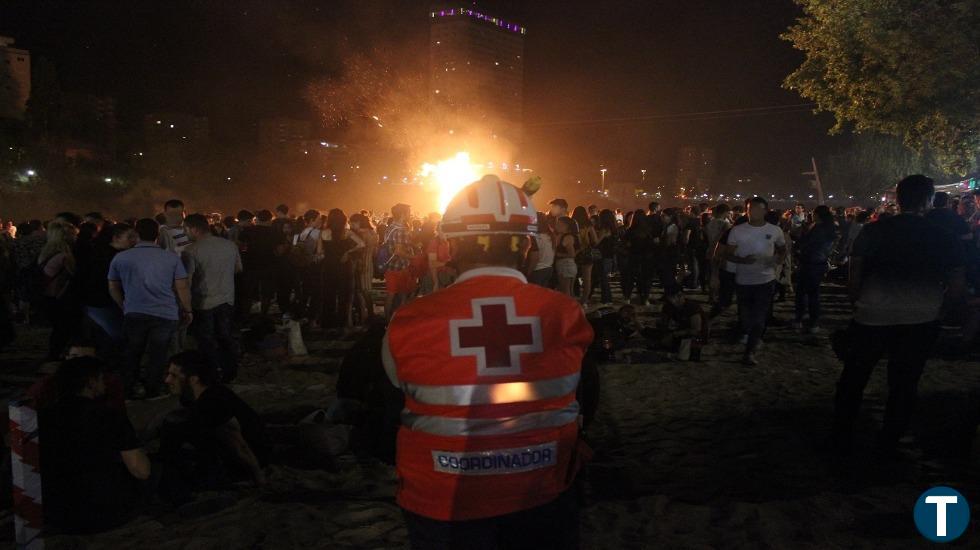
x,y
489,444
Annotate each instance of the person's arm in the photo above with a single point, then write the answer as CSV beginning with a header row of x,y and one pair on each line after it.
x,y
238,261
183,291
726,253
116,292
137,463
779,254
230,436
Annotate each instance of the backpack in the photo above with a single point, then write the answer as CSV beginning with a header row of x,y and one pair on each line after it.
x,y
299,255
384,254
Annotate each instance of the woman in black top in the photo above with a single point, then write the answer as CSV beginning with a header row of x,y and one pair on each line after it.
x,y
336,246
608,236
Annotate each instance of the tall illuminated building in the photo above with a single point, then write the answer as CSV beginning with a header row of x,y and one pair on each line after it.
x,y
477,68
15,79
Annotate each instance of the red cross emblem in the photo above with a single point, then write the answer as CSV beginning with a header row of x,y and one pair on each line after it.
x,y
496,336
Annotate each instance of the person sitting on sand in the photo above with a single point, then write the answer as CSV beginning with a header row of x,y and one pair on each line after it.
x,y
217,438
682,318
91,458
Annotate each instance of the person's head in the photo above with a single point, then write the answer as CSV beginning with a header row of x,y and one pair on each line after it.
x,y
757,209
81,376
822,214
173,211
197,227
401,212
123,236
915,193
565,224
673,294
558,207
489,223
311,216
581,217
336,223
263,216
800,209
282,211
720,211
60,236
148,230
863,216
69,218
653,207
627,313
940,200
593,210
245,217
607,220
189,374
94,218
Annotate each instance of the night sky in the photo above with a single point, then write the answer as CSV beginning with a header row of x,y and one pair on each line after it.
x,y
236,61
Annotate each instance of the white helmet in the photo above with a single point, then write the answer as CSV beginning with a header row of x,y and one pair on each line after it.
x,y
490,207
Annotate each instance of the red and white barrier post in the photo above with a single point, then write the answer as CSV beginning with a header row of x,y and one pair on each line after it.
x,y
25,459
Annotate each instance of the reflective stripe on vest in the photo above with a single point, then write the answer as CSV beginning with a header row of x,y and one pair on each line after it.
x,y
464,427
493,394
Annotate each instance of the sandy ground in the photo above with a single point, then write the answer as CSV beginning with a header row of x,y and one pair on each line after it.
x,y
688,455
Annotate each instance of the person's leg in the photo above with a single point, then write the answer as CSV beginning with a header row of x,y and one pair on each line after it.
x,y
626,277
585,272
813,293
908,349
158,337
346,296
605,276
865,348
203,330
552,526
136,329
227,344
430,534
645,277
799,297
284,285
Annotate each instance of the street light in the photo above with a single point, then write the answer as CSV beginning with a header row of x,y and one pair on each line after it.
x,y
603,171
643,175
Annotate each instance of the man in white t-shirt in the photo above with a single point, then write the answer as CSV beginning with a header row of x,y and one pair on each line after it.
x,y
756,248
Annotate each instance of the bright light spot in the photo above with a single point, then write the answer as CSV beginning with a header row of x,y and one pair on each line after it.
x,y
229,179
108,180
811,196
140,154
324,143
830,197
451,175
159,122
437,91
791,196
31,173
171,125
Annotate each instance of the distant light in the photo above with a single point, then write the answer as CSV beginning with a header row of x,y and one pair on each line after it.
x,y
437,91
171,125
306,152
108,180
31,173
160,122
811,196
140,154
228,179
830,197
324,144
791,196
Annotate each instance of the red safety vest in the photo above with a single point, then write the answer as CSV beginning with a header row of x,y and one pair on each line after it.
x,y
489,367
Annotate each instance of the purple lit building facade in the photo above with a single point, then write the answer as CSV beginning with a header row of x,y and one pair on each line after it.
x,y
477,68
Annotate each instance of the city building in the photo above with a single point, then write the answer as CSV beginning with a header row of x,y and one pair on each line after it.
x,y
695,171
477,68
168,129
15,80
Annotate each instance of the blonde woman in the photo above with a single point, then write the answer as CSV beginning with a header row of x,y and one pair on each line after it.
x,y
57,265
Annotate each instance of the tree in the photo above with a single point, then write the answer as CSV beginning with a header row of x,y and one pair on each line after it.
x,y
871,163
906,68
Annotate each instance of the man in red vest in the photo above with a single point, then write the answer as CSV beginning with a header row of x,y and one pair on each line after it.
x,y
489,445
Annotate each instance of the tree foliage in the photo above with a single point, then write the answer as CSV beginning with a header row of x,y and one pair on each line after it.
x,y
907,68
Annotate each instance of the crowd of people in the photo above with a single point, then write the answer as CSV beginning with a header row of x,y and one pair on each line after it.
x,y
143,307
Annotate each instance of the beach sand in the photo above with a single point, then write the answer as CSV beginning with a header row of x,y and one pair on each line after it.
x,y
687,455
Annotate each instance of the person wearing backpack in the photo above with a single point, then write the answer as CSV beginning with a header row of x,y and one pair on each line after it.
x,y
302,256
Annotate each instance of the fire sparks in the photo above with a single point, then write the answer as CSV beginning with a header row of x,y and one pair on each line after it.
x,y
451,175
